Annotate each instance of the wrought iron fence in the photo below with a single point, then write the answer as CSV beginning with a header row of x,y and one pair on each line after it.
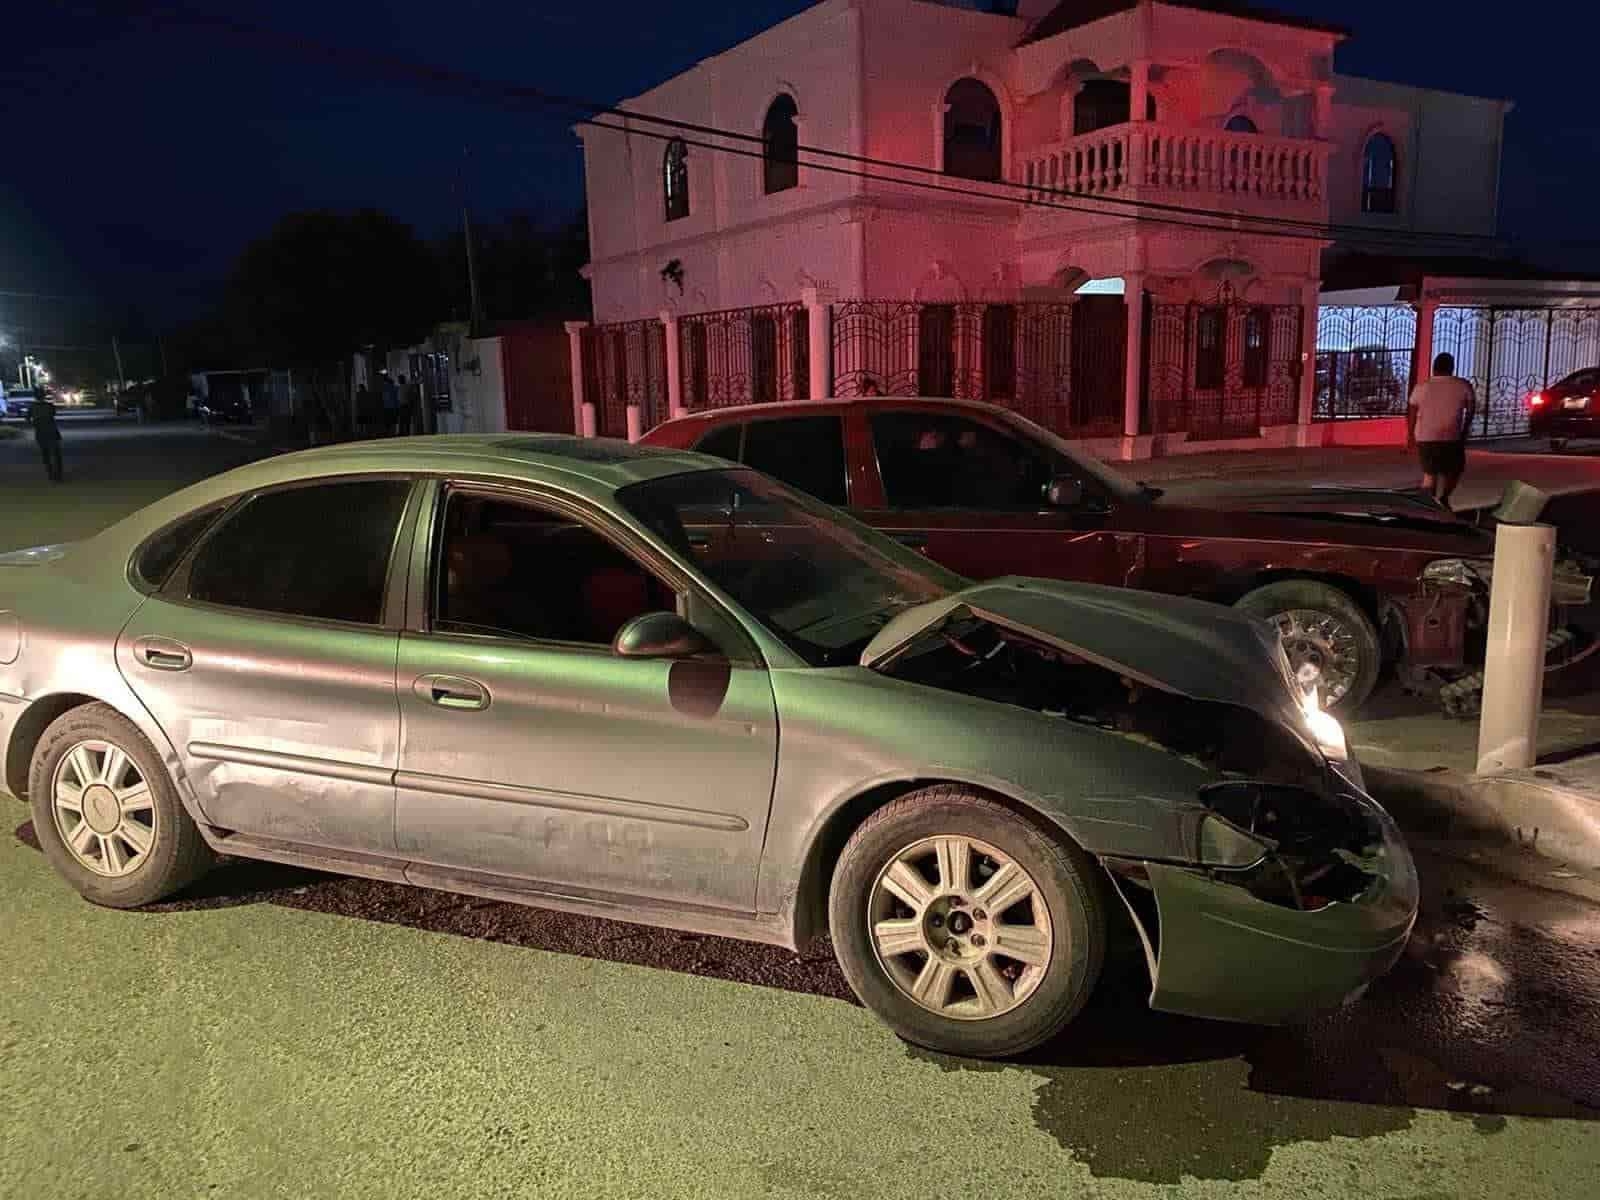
x,y
623,364
1364,361
745,356
1509,353
1221,370
1021,356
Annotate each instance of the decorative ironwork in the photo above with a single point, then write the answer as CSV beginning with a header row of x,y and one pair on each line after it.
x,y
1509,353
875,347
623,364
1364,358
745,356
1222,370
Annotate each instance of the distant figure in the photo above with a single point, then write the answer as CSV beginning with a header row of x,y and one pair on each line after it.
x,y
869,387
410,406
1437,420
48,434
391,405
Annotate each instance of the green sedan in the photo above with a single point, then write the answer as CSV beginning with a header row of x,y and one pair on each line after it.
x,y
648,685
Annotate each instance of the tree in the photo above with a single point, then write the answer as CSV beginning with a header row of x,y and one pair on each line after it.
x,y
325,285
525,270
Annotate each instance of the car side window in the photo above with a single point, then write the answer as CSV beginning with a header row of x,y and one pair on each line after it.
x,y
158,556
723,442
321,551
932,460
805,452
513,568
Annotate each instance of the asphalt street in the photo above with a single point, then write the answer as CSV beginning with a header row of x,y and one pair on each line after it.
x,y
282,1033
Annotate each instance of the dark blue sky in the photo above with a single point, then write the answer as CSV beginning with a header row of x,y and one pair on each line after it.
x,y
141,155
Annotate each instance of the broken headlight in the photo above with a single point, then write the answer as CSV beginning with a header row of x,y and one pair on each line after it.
x,y
1467,573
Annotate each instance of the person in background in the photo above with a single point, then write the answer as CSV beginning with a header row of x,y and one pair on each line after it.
x,y
408,406
391,405
870,387
48,434
1437,420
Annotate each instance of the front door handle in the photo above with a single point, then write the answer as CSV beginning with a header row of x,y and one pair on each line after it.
x,y
452,691
917,541
163,654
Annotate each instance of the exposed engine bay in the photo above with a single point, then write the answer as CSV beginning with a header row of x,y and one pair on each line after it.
x,y
1275,823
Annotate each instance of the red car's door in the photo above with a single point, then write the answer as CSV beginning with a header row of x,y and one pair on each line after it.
x,y
971,496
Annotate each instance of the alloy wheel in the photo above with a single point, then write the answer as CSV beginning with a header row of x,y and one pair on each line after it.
x,y
1323,651
960,928
103,808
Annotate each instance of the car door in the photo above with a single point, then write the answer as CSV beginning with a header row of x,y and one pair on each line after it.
x,y
971,496
530,750
268,660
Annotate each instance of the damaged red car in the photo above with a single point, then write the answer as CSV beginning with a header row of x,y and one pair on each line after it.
x,y
1356,581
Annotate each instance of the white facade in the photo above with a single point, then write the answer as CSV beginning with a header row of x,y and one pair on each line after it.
x,y
870,77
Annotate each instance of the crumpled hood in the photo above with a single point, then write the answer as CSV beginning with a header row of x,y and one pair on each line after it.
x,y
1190,647
35,556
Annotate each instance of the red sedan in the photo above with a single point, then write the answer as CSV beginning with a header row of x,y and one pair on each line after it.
x,y
1353,579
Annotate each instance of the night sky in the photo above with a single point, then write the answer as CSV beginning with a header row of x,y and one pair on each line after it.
x,y
142,154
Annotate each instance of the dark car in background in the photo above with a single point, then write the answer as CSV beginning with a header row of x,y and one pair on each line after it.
x,y
1352,579
20,402
1568,409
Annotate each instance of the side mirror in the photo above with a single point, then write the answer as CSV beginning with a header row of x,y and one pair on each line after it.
x,y
1064,492
660,635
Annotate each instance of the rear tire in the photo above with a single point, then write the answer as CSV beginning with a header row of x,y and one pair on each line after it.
x,y
106,812
1557,445
1345,642
977,1000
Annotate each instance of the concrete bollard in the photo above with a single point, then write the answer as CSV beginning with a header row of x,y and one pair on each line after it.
x,y
635,423
1513,672
589,423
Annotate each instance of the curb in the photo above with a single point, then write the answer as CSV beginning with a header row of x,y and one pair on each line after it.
x,y
1527,824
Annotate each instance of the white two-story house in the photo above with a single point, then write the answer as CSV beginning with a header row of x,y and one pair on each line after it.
x,y
1111,214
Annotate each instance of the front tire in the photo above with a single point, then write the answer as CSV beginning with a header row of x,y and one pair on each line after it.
x,y
106,813
964,927
1327,636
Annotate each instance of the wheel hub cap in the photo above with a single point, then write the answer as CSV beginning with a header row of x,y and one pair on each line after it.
x,y
960,928
103,808
1323,652
100,808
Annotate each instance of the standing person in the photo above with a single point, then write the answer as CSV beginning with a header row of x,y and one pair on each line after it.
x,y
410,406
391,405
48,434
1437,420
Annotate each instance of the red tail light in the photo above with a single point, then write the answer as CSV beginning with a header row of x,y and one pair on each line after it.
x,y
1536,400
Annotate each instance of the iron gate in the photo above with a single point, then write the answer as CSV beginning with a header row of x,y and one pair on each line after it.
x,y
623,364
1364,361
1221,370
745,356
1509,353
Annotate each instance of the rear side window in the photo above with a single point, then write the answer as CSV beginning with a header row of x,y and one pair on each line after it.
x,y
805,452
320,551
723,442
163,552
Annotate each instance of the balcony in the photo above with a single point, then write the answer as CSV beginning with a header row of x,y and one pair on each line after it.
x,y
1201,168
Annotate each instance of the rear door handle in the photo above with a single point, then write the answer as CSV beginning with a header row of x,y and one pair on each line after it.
x,y
452,691
163,654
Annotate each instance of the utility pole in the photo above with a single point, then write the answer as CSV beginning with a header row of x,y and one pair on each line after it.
x,y
475,313
122,380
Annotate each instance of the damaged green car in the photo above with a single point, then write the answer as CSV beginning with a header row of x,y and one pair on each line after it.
x,y
640,684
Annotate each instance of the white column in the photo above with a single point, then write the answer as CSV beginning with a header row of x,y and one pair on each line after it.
x,y
819,321
635,423
575,350
1133,383
1513,673
587,422
669,319
1310,306
1322,115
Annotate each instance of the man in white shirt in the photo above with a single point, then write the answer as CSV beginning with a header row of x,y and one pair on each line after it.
x,y
1437,420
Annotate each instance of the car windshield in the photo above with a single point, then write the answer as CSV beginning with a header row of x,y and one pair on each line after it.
x,y
1073,462
819,580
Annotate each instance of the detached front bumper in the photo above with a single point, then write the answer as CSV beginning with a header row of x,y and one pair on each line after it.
x,y
1220,952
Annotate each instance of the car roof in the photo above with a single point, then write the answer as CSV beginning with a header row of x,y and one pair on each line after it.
x,y
609,463
800,407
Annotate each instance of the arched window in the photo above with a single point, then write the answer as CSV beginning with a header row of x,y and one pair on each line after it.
x,y
780,146
1380,175
675,180
973,146
1241,124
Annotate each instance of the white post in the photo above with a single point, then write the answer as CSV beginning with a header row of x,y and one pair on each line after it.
x,y
669,320
819,320
1310,307
575,349
1133,382
1427,310
1513,673
635,423
586,420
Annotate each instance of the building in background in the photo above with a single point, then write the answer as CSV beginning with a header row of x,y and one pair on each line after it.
x,y
1113,215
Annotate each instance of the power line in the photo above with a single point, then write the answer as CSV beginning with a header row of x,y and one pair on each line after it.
x,y
586,111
